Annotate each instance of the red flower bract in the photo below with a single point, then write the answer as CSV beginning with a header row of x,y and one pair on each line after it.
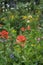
x,y
28,27
21,38
0,34
22,29
4,34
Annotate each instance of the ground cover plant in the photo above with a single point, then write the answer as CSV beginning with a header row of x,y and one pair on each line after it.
x,y
21,32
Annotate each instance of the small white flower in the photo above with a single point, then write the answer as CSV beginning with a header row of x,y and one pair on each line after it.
x,y
3,3
38,39
30,16
28,21
12,8
6,9
7,5
34,3
39,28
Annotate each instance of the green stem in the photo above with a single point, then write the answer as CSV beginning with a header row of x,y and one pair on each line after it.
x,y
4,48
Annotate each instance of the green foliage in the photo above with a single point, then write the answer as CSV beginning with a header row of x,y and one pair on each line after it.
x,y
11,53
